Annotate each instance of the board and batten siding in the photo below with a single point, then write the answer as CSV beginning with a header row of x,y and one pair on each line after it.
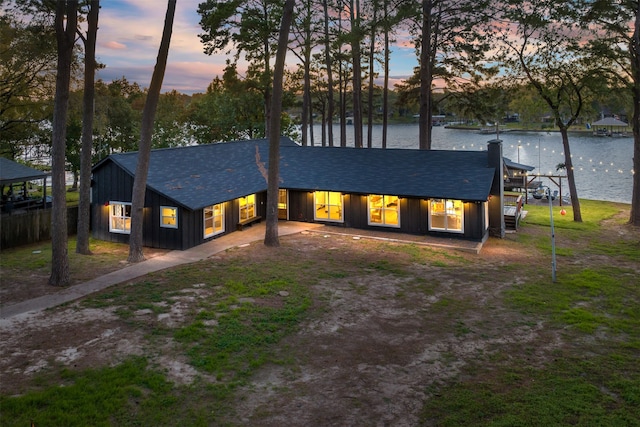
x,y
414,215
110,183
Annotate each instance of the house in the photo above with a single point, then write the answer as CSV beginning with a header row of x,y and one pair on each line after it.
x,y
197,193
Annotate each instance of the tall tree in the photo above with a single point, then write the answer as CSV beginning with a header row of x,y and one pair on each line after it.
x,y
248,27
273,184
146,132
427,53
373,31
170,129
356,58
305,30
537,45
66,11
343,78
27,80
394,13
451,46
385,86
617,26
84,205
329,67
118,113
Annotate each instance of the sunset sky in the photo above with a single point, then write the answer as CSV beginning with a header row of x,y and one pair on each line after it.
x,y
129,36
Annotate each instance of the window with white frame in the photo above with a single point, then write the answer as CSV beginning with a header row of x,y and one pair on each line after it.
x,y
247,207
213,220
446,215
328,206
168,217
384,210
120,217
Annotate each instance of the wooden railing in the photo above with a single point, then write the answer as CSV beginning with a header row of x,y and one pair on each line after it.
x,y
512,209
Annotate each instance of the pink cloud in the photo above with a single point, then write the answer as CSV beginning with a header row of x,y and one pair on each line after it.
x,y
114,45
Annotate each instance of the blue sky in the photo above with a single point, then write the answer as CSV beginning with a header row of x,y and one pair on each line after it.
x,y
129,36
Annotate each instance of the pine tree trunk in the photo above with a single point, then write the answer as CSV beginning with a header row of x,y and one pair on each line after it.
x,y
271,233
634,218
568,163
426,76
357,74
146,132
84,205
327,53
385,90
372,49
65,40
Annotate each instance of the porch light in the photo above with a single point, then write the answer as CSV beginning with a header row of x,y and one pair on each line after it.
x,y
106,203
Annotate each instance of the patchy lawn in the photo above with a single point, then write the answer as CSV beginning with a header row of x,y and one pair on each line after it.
x,y
332,330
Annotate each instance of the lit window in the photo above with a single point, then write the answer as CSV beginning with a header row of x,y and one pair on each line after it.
x,y
486,215
213,220
120,217
328,206
282,204
446,215
247,207
168,217
384,210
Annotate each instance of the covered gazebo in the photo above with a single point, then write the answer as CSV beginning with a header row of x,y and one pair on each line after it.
x,y
14,183
609,126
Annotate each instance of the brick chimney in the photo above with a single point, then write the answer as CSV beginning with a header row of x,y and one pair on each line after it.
x,y
496,201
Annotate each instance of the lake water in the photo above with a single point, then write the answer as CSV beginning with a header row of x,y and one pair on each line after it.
x,y
602,165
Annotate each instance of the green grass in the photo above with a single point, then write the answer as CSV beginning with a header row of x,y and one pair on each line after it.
x,y
593,212
568,392
99,397
588,299
36,259
244,335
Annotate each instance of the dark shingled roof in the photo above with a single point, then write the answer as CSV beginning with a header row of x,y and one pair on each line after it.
x,y
11,172
203,175
513,165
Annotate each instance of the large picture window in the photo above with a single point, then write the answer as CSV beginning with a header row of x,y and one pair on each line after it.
x,y
213,220
120,217
168,217
328,206
247,207
384,210
446,215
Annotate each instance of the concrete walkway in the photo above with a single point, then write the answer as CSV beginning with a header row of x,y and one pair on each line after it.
x,y
168,260
198,253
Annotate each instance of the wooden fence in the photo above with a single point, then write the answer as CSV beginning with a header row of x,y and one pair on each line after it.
x,y
32,226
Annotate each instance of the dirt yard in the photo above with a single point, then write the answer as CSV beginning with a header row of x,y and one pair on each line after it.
x,y
369,353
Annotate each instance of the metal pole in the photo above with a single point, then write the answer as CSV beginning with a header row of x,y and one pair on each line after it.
x,y
553,237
